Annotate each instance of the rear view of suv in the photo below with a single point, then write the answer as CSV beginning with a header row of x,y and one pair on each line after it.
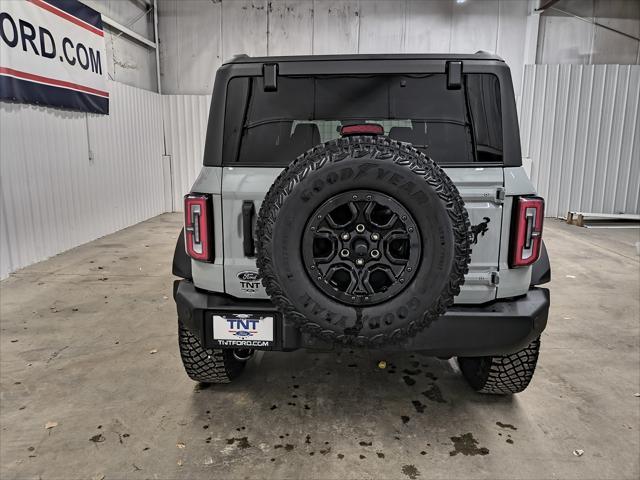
x,y
364,201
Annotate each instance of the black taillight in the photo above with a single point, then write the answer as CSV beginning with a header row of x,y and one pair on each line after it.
x,y
198,238
527,231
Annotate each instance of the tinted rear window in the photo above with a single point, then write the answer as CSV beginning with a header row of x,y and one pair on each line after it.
x,y
451,126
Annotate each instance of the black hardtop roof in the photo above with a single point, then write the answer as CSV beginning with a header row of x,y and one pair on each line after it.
x,y
484,56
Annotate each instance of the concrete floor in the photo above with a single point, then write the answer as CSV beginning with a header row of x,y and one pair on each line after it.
x,y
78,332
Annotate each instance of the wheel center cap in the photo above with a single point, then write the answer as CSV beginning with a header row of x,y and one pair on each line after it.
x,y
361,248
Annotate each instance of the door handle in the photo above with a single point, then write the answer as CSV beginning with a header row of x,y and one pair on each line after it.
x,y
248,212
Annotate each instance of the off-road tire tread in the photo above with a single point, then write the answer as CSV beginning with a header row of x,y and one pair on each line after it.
x,y
206,365
334,151
504,374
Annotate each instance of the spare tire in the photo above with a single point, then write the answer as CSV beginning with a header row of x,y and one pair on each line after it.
x,y
363,240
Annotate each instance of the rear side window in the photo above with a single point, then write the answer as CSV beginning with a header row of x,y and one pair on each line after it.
x,y
451,126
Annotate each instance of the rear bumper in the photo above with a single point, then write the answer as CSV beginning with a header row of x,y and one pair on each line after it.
x,y
497,328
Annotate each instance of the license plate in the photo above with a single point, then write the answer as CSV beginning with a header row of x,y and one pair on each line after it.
x,y
243,330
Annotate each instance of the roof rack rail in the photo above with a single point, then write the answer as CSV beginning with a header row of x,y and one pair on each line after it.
x,y
480,55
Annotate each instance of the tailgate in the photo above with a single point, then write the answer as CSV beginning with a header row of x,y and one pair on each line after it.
x,y
243,190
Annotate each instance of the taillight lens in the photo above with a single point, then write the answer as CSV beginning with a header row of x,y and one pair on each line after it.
x,y
527,233
197,227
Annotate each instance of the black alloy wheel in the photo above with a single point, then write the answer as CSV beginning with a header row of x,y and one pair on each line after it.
x,y
361,247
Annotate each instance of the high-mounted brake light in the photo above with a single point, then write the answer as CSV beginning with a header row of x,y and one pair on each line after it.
x,y
362,129
527,234
197,231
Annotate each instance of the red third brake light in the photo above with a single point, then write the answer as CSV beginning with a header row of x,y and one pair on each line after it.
x,y
527,235
197,232
362,129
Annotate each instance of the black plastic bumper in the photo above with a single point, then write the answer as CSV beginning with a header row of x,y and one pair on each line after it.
x,y
497,328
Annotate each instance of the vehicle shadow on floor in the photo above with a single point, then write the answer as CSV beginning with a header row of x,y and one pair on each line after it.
x,y
346,379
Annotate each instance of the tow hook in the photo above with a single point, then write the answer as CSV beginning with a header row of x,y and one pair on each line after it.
x,y
242,354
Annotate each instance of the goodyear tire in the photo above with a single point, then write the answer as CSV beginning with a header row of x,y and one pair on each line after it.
x,y
363,241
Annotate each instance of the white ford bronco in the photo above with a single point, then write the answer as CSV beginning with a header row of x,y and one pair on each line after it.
x,y
363,201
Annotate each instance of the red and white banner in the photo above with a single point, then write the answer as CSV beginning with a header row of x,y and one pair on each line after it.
x,y
52,52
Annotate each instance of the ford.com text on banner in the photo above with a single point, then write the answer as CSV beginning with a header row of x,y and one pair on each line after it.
x,y
52,52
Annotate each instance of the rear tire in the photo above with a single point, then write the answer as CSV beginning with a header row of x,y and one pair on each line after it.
x,y
503,374
207,365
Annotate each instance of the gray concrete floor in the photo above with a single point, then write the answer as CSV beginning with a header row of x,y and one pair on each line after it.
x,y
78,332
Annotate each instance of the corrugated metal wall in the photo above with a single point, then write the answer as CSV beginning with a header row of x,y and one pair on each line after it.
x,y
185,128
579,124
68,178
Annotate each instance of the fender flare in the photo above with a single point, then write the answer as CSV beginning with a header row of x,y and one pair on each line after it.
x,y
541,269
181,261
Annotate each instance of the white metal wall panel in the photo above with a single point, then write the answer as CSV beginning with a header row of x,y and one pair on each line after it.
x,y
382,27
68,178
244,28
579,125
335,26
128,148
290,29
428,26
196,35
190,34
564,38
185,128
128,61
41,186
512,27
475,26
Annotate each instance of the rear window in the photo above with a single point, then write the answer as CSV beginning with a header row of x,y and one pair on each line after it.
x,y
451,126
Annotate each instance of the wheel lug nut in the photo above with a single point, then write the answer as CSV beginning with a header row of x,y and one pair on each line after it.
x,y
345,236
375,253
344,252
375,237
359,261
360,228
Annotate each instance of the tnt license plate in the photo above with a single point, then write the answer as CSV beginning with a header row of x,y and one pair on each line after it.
x,y
243,330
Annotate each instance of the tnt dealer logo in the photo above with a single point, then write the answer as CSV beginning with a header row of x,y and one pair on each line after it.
x,y
243,326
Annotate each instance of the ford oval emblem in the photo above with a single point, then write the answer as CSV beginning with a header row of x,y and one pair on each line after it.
x,y
248,276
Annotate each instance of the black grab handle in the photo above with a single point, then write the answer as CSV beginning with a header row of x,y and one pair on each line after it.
x,y
248,212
